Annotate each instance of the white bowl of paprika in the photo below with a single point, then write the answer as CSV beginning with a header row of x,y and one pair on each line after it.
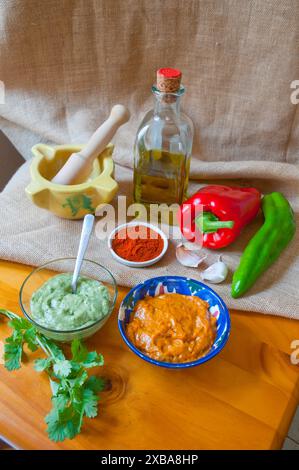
x,y
137,244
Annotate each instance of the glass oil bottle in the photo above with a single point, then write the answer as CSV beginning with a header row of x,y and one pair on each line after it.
x,y
163,145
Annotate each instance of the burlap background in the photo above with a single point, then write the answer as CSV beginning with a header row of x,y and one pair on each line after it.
x,y
65,62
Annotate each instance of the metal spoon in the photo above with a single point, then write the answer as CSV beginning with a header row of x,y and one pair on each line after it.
x,y
85,236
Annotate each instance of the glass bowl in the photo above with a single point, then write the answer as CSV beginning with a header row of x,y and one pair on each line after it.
x,y
41,274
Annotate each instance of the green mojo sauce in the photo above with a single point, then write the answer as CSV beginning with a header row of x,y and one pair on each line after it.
x,y
54,305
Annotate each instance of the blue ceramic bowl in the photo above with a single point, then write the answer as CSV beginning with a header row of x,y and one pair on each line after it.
x,y
179,285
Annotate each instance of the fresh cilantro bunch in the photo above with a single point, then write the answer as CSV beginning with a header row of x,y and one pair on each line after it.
x,y
75,393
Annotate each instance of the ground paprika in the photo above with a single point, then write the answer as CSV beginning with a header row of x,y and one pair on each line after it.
x,y
140,244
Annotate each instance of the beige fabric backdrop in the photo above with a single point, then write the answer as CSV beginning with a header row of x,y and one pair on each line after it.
x,y
65,62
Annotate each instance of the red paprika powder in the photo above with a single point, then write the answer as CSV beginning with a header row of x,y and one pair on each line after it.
x,y
138,243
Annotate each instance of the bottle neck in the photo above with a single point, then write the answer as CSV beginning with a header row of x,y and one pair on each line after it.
x,y
168,103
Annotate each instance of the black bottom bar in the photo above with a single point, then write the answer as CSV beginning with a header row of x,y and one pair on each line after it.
x,y
136,459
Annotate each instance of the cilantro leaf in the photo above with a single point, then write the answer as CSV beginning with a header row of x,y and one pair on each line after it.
x,y
55,350
55,387
90,403
81,355
79,379
30,338
60,401
57,430
96,384
23,332
73,427
93,359
20,324
62,368
42,364
79,351
63,423
13,350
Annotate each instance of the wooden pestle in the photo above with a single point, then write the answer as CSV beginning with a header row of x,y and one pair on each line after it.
x,y
79,165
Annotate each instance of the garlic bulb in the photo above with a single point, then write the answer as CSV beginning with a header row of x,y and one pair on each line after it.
x,y
215,273
189,257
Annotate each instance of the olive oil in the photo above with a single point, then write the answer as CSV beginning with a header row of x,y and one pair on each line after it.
x,y
163,145
161,177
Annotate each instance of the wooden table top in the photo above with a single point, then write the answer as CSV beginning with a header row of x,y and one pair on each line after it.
x,y
244,398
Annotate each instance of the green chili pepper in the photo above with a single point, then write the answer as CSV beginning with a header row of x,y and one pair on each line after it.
x,y
266,245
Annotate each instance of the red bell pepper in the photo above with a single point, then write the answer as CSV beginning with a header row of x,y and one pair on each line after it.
x,y
215,216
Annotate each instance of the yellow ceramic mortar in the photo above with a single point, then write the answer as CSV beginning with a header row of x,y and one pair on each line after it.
x,y
70,201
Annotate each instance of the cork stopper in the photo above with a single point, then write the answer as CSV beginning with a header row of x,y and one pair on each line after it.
x,y
169,80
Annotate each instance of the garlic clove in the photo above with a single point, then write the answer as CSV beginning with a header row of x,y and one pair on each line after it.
x,y
215,273
192,246
189,258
